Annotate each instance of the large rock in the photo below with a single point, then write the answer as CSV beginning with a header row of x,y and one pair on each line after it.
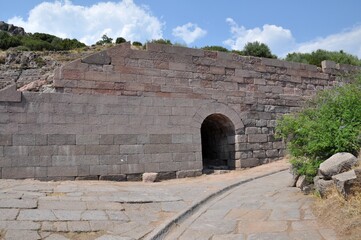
x,y
150,177
343,182
322,186
337,163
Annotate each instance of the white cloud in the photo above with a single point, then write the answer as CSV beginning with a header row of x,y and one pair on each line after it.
x,y
281,41
348,41
88,24
277,38
189,32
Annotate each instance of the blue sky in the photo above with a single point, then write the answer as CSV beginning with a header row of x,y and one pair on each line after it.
x,y
286,26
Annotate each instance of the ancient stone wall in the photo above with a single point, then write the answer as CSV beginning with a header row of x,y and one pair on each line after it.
x,y
174,110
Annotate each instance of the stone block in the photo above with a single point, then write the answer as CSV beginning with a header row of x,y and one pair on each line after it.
x,y
125,139
6,140
134,177
272,153
98,170
87,139
166,175
16,151
132,168
68,150
18,172
42,150
257,138
115,177
188,173
101,149
10,94
131,149
149,177
160,138
63,171
182,138
106,139
101,58
249,162
61,139
73,160
87,178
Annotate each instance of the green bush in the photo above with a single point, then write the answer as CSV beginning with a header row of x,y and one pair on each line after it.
x,y
138,44
330,123
161,41
215,48
120,40
316,57
7,41
257,49
105,40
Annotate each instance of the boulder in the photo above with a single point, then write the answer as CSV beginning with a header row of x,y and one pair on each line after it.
x,y
293,181
343,182
337,163
150,177
322,186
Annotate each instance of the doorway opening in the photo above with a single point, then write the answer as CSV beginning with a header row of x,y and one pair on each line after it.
x,y
217,135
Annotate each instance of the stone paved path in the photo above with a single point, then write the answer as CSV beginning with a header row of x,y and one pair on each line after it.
x,y
261,209
103,210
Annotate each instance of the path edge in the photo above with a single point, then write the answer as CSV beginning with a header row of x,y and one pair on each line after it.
x,y
161,231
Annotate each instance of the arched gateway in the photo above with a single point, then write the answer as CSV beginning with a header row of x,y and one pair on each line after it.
x,y
217,135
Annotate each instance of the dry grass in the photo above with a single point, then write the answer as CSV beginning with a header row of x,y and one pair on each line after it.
x,y
343,215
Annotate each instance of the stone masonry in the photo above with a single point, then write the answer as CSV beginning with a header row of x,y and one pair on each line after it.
x,y
167,109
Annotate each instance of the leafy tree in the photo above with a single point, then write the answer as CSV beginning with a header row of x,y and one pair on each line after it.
x,y
331,123
215,48
105,40
257,49
120,40
316,57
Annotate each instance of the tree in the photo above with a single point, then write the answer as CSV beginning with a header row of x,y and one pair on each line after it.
x,y
162,41
120,40
138,44
316,57
257,49
105,40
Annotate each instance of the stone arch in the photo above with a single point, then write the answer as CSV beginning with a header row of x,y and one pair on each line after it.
x,y
220,118
217,138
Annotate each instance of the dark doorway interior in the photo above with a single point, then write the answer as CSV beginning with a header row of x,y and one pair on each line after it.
x,y
217,148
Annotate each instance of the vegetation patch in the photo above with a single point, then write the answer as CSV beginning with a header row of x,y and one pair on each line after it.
x,y
330,123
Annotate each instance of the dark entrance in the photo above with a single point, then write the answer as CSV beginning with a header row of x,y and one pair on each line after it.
x,y
217,132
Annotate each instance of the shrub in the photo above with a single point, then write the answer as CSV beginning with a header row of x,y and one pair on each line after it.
x,y
138,44
7,41
105,40
215,48
161,41
316,57
120,40
330,123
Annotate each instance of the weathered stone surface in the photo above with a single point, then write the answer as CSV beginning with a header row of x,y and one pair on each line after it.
x,y
322,186
116,177
337,163
150,177
10,94
188,173
343,181
302,182
100,58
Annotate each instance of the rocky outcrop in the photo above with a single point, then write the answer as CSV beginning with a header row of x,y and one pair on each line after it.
x,y
337,172
10,28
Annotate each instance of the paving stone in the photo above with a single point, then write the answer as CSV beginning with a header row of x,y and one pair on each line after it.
x,y
262,227
67,215
94,215
117,216
22,234
99,205
229,237
8,214
306,235
269,236
285,214
112,237
61,205
22,225
18,203
79,226
56,237
36,215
